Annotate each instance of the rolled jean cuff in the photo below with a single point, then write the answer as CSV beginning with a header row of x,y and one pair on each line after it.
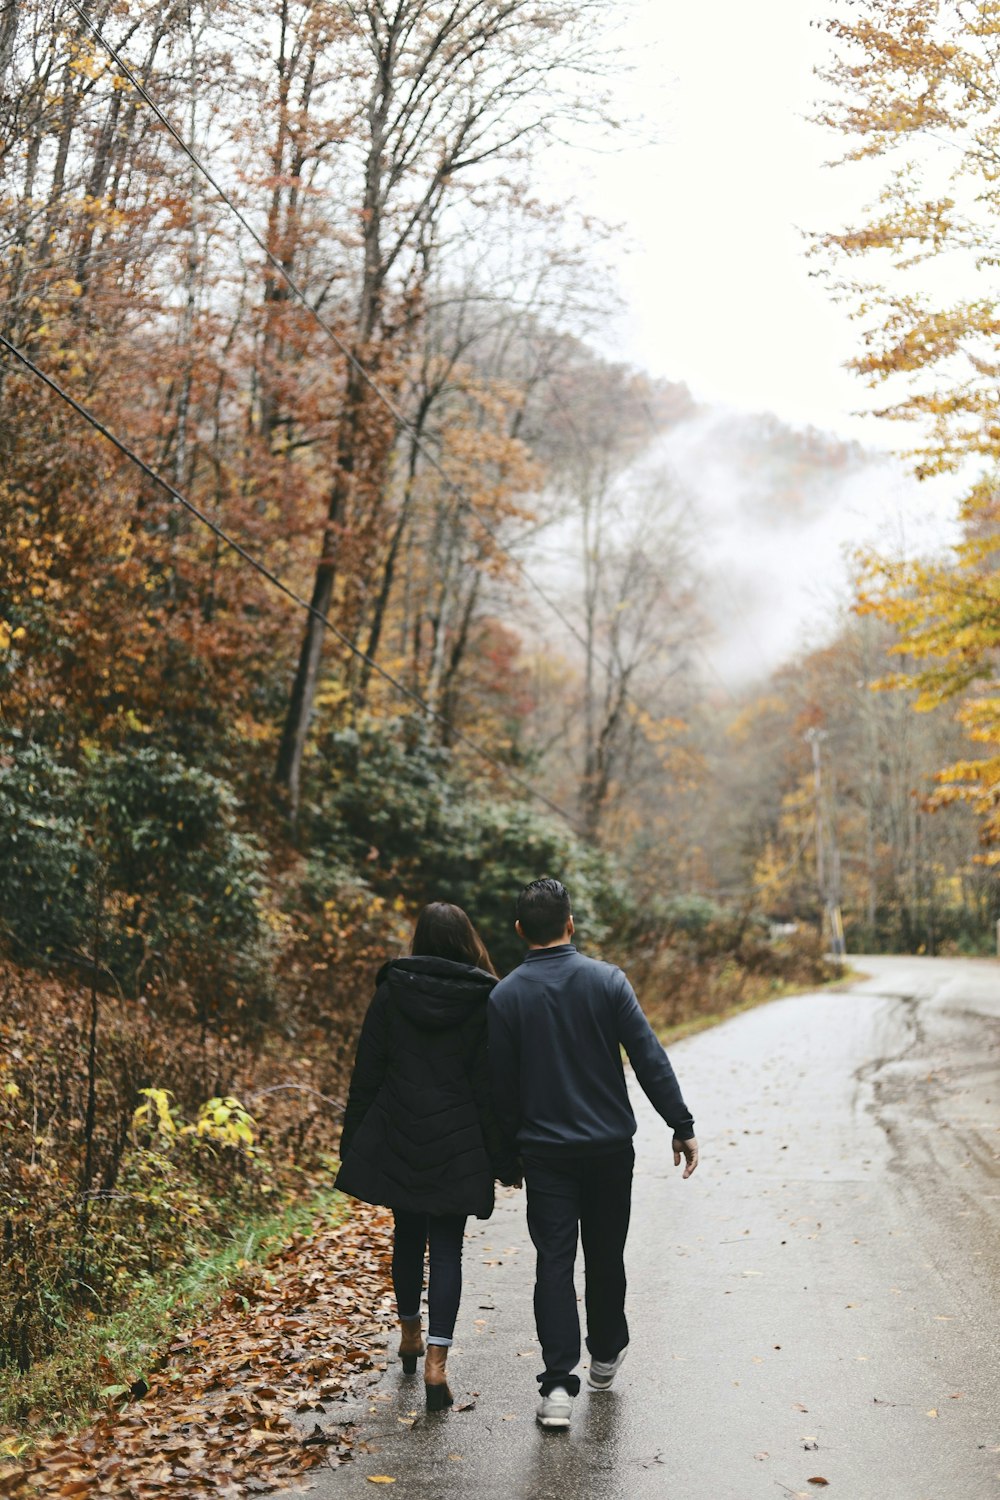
x,y
569,1383
406,1317
435,1338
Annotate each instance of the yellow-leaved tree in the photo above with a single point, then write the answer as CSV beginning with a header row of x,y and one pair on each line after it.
x,y
918,86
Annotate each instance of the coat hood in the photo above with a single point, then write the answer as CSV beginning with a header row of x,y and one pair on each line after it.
x,y
435,992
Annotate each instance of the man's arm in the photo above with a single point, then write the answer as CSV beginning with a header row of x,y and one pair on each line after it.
x,y
500,1147
651,1065
505,1070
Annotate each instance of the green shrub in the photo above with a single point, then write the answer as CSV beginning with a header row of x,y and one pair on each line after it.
x,y
46,861
380,796
154,841
691,913
401,811
490,850
192,884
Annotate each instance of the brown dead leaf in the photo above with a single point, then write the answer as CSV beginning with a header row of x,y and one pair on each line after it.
x,y
380,1479
817,1479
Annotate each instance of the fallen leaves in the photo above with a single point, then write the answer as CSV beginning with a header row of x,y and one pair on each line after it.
x,y
818,1480
217,1418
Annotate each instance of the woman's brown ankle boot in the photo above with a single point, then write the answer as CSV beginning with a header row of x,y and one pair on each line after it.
x,y
439,1395
411,1344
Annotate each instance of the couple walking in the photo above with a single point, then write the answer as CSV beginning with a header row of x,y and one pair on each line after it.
x,y
462,1080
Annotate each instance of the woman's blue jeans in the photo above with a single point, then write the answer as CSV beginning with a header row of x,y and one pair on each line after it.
x,y
441,1235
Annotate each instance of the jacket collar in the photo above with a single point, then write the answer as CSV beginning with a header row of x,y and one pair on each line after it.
x,y
559,951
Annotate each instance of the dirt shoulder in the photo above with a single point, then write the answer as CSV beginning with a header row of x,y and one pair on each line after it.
x,y
252,1397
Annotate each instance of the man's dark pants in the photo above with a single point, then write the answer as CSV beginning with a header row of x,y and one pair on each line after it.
x,y
592,1193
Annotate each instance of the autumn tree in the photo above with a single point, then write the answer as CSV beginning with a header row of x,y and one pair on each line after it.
x,y
915,86
947,616
622,520
861,834
442,96
465,499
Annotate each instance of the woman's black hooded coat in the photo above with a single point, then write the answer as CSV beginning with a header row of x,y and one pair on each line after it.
x,y
419,1130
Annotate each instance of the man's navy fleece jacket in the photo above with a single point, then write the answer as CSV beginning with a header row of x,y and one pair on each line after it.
x,y
556,1026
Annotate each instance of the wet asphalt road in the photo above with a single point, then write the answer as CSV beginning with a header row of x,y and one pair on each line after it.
x,y
821,1300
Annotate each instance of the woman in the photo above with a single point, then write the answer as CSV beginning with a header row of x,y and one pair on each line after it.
x,y
419,1132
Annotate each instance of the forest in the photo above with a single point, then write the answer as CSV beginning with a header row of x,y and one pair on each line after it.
x,y
342,569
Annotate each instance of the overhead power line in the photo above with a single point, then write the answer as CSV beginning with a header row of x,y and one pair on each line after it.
x,y
377,389
276,582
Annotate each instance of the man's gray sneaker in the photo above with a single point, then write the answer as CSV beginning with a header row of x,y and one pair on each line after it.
x,y
602,1373
555,1409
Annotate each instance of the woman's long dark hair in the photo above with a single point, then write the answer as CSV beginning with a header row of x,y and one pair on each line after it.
x,y
444,931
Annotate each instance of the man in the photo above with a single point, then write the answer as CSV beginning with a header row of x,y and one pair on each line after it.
x,y
556,1026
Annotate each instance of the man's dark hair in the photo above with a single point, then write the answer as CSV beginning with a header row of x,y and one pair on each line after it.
x,y
543,910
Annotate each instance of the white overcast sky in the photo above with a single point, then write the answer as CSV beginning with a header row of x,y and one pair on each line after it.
x,y
719,293
713,265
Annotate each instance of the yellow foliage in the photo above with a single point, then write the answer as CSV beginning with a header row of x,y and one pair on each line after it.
x,y
948,619
223,1120
905,77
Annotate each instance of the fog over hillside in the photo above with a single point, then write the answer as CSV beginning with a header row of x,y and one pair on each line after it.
x,y
774,517
780,513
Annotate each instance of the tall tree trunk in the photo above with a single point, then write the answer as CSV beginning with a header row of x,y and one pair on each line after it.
x,y
8,36
288,771
96,187
456,656
90,1119
389,566
382,600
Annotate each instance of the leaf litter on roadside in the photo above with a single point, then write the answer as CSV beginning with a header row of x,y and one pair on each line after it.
x,y
218,1416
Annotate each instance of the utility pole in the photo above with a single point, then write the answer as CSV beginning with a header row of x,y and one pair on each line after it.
x,y
813,737
831,920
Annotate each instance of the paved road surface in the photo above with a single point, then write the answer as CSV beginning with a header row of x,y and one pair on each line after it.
x,y
822,1299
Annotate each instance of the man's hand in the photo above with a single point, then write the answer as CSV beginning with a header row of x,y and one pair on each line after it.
x,y
689,1151
510,1173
